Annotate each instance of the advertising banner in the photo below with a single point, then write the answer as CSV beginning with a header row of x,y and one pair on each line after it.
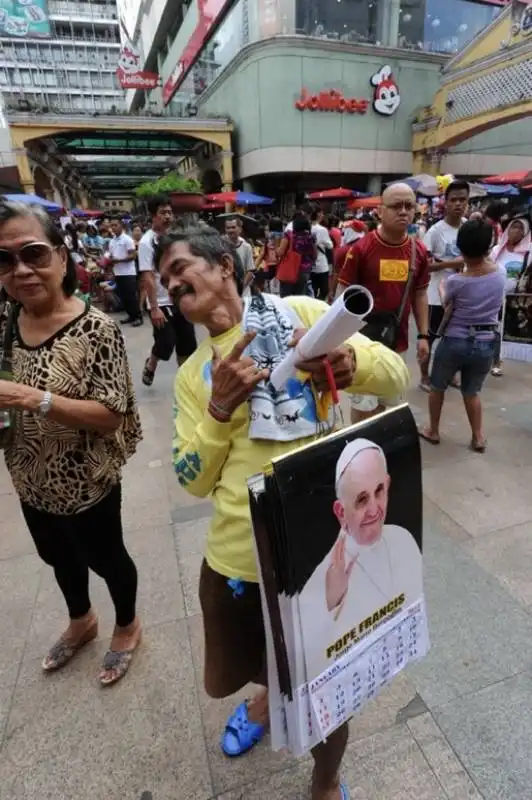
x,y
24,18
209,13
129,72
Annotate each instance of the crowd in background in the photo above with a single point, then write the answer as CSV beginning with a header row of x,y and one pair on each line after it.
x,y
322,244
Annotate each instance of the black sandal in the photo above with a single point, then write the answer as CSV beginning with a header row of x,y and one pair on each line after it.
x,y
147,374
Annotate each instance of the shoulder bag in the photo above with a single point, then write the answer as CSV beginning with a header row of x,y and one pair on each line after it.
x,y
7,415
383,326
289,269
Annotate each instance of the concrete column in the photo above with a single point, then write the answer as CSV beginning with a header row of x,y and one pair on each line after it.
x,y
374,185
24,172
393,23
227,171
388,23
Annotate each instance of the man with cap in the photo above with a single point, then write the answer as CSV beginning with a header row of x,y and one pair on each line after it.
x,y
371,565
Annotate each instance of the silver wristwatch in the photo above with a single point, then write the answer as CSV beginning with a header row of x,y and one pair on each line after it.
x,y
45,404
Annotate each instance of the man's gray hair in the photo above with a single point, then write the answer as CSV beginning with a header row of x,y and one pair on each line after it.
x,y
205,242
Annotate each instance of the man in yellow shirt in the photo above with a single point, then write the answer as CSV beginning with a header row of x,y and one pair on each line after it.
x,y
217,447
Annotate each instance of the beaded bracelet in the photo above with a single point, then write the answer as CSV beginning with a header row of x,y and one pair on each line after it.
x,y
220,414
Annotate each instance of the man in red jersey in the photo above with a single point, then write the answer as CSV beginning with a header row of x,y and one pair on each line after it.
x,y
381,262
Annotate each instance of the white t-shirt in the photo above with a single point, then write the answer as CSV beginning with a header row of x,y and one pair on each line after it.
x,y
146,253
119,247
440,241
510,264
245,251
389,569
324,243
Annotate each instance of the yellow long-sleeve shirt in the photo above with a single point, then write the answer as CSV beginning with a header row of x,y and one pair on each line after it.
x,y
216,458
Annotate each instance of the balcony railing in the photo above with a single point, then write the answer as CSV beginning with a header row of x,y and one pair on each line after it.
x,y
92,11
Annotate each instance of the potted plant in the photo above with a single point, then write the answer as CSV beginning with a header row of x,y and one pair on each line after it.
x,y
186,194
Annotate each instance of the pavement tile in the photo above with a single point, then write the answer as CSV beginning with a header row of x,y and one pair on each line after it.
x,y
479,634
478,497
19,582
386,766
189,569
435,519
507,555
229,773
490,732
191,537
442,759
160,599
146,513
68,739
15,539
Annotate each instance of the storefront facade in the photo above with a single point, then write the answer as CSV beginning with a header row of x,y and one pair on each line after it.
x,y
302,81
309,109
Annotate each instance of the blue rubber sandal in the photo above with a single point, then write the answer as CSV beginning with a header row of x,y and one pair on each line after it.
x,y
345,791
241,735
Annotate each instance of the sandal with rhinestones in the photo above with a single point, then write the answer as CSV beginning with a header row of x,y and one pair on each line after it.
x,y
117,663
240,735
63,651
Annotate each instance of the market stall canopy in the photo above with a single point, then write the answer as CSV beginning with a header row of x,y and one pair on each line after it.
x,y
34,200
520,178
239,199
421,184
87,212
332,194
504,189
365,202
212,206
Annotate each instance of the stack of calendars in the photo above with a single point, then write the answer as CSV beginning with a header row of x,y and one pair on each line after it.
x,y
338,529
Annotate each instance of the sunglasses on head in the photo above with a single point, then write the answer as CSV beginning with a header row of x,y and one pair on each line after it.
x,y
35,255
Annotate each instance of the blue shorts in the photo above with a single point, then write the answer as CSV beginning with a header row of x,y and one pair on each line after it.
x,y
471,357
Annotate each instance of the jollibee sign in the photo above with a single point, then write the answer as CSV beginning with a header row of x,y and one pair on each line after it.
x,y
386,97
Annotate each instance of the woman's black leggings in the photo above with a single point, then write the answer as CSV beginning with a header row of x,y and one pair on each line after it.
x,y
92,539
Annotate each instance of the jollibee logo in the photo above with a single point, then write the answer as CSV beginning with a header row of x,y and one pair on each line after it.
x,y
129,61
387,97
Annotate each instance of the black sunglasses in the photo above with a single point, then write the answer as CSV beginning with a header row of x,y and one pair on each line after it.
x,y
35,255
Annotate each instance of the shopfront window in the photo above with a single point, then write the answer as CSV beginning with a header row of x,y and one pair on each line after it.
x,y
340,20
443,27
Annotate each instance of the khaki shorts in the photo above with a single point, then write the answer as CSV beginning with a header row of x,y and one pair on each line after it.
x,y
235,643
370,402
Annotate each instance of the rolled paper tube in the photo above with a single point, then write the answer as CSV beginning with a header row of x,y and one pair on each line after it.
x,y
344,318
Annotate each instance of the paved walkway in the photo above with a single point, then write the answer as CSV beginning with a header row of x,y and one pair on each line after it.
x,y
456,727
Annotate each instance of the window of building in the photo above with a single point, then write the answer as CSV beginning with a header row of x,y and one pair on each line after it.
x,y
443,27
344,20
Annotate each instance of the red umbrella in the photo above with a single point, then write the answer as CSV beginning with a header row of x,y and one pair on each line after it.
x,y
519,177
212,206
365,202
331,194
222,197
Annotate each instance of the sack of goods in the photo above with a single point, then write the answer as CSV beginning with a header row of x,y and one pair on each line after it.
x,y
338,534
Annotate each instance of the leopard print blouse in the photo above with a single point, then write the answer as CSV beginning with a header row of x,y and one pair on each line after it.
x,y
54,468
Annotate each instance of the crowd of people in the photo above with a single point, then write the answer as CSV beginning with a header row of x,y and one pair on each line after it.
x,y
70,418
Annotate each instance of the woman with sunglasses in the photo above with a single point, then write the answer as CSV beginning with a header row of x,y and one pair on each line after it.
x,y
75,424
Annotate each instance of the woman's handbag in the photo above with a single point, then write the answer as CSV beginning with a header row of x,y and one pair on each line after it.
x,y
7,415
289,269
384,326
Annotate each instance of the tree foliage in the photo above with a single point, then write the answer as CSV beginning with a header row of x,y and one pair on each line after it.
x,y
166,184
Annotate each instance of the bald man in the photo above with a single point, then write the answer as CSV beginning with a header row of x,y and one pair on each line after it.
x,y
372,571
382,262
